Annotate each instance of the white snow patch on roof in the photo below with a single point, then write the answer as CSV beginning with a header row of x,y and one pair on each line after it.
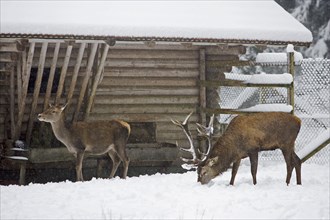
x,y
247,20
263,78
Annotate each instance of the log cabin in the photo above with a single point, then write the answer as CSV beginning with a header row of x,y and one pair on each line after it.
x,y
142,62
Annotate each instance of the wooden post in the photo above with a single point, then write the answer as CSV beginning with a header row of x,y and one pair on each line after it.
x,y
63,73
26,77
36,91
97,79
291,71
75,73
51,75
85,82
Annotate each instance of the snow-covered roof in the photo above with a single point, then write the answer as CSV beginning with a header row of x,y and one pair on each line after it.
x,y
244,21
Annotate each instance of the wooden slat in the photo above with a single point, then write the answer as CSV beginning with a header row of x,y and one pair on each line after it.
x,y
75,73
63,74
51,75
86,79
229,63
26,77
324,144
19,71
36,91
153,54
291,71
97,79
218,111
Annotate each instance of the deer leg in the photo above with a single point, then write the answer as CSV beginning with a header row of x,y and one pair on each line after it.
x,y
80,157
115,162
121,152
297,165
289,165
234,171
254,165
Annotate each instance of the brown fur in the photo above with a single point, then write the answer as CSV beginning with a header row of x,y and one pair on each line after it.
x,y
96,138
245,136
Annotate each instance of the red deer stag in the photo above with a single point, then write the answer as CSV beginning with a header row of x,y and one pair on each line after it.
x,y
245,136
94,138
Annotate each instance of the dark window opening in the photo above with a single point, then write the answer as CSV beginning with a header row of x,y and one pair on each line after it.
x,y
142,132
44,81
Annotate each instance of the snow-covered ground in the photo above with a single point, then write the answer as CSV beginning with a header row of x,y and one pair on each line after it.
x,y
176,196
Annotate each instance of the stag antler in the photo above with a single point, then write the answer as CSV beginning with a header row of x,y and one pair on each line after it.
x,y
203,131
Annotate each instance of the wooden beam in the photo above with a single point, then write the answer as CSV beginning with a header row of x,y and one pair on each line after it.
x,y
26,77
324,144
229,63
97,79
51,75
75,73
86,79
236,83
291,71
19,77
63,73
36,91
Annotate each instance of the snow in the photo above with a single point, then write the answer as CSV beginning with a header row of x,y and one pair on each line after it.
x,y
268,108
248,20
177,196
320,139
290,48
263,78
278,57
17,158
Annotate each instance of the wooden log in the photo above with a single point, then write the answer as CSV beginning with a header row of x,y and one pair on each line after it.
x,y
291,71
51,75
26,77
36,91
86,79
75,74
63,74
153,54
229,63
236,83
97,79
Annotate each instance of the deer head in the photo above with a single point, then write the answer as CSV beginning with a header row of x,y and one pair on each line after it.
x,y
52,114
198,157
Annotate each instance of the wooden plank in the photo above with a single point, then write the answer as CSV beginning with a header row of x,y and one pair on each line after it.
x,y
146,99
26,77
142,117
36,91
75,74
51,75
86,79
7,57
229,63
143,63
150,81
148,72
97,79
150,90
225,50
236,83
219,111
291,71
19,71
144,108
153,54
63,74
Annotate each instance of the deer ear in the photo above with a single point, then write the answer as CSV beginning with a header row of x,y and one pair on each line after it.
x,y
213,161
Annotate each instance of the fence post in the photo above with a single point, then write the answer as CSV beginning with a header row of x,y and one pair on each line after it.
x,y
291,71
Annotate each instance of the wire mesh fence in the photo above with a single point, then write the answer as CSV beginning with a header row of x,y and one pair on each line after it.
x,y
312,94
